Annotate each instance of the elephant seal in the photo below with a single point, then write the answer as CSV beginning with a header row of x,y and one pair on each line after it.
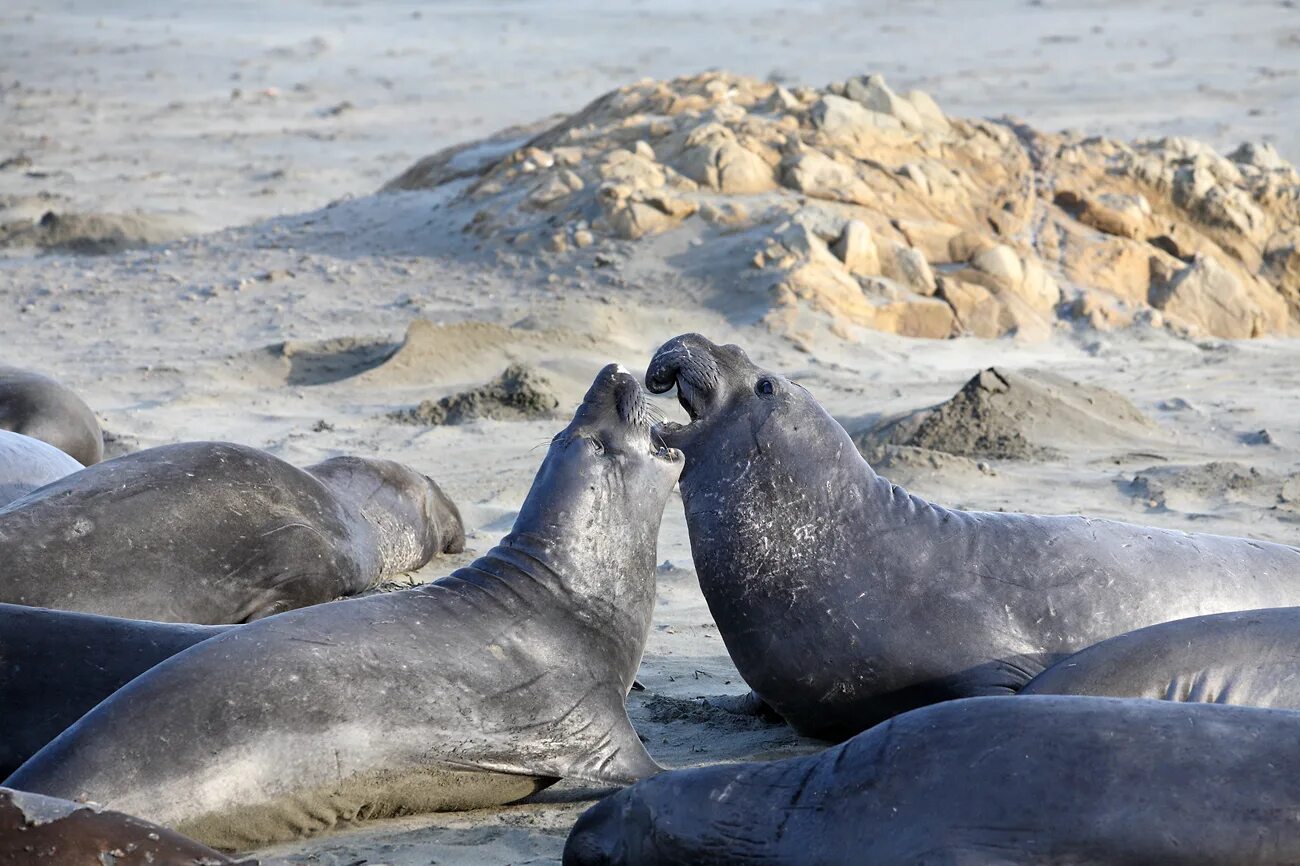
x,y
473,691
1247,658
210,532
27,463
56,665
1044,780
45,831
844,600
39,407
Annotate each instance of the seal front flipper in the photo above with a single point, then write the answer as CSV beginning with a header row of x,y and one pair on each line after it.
x,y
619,758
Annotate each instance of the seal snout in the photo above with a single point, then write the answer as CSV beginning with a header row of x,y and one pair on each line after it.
x,y
595,839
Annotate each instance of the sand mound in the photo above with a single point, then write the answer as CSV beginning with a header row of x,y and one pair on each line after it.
x,y
520,393
319,362
1203,487
854,205
90,233
1016,415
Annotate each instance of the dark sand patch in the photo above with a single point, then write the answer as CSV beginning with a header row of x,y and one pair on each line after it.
x,y
520,393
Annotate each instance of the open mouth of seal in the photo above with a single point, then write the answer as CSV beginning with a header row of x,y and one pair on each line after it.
x,y
636,410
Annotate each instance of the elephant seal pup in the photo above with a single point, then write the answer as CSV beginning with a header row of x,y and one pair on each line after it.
x,y
1247,658
27,463
56,665
844,600
210,532
1045,780
473,691
37,406
44,831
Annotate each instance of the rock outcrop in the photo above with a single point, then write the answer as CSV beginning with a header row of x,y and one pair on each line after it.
x,y
865,207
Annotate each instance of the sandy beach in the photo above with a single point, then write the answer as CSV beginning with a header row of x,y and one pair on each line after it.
x,y
285,303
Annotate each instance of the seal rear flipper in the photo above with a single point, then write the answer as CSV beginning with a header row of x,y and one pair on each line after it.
x,y
614,757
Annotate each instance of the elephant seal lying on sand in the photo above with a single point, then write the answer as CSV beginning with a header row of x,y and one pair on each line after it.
x,y
844,600
1013,780
44,831
210,532
37,406
27,464
1248,658
55,666
472,691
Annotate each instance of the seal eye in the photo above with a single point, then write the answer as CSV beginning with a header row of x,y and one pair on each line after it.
x,y
597,447
764,388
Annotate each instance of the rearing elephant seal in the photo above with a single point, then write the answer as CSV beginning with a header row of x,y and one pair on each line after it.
x,y
55,665
1048,781
37,406
210,532
844,600
473,691
27,463
1248,658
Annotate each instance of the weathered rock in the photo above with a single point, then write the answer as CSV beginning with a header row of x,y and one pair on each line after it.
x,y
1209,296
856,248
908,267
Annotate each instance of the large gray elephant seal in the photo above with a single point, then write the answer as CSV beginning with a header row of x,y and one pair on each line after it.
x,y
844,600
1248,658
40,407
472,691
27,463
210,532
1044,780
45,831
56,665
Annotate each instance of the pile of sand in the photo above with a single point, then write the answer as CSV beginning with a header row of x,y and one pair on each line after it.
x,y
1205,487
90,233
854,205
1015,415
519,393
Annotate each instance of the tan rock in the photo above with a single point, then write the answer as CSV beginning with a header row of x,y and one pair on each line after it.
x,y
857,249
966,245
813,173
872,92
933,239
1001,263
928,109
1039,289
1208,295
714,158
976,309
847,123
908,267
727,213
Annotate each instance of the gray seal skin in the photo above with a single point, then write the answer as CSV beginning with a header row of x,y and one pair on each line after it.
x,y
1045,780
56,665
44,831
37,406
27,463
210,532
844,600
1247,658
473,691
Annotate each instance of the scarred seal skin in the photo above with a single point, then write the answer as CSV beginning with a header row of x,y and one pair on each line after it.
x,y
1072,781
27,464
56,665
44,831
1246,658
472,691
37,406
212,532
844,600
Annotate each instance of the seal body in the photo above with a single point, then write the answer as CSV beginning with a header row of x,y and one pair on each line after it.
x,y
472,691
1041,780
40,407
845,600
45,831
210,532
56,665
27,463
1248,658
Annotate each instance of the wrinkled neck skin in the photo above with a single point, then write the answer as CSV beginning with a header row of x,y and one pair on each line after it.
x,y
583,537
771,504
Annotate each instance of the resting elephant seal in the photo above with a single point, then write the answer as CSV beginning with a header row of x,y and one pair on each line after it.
x,y
39,407
27,463
210,532
844,600
473,691
55,666
1044,780
44,831
1248,658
